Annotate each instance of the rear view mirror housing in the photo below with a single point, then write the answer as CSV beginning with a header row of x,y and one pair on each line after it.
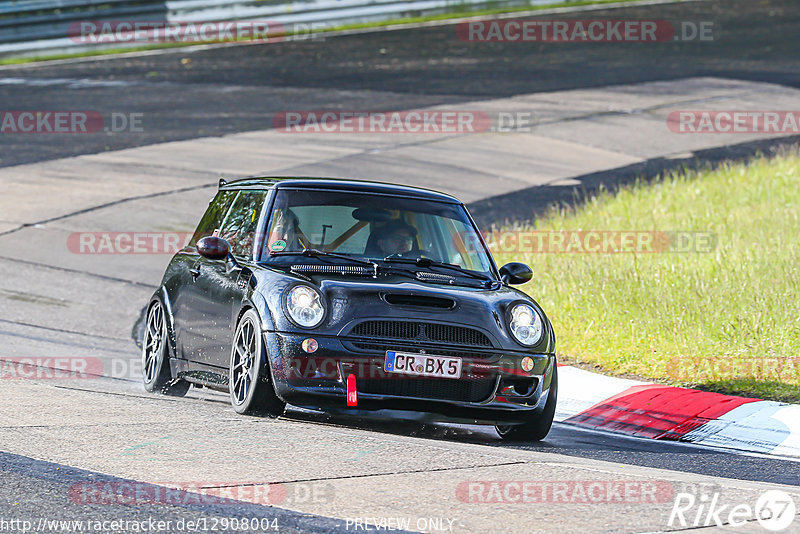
x,y
515,273
214,248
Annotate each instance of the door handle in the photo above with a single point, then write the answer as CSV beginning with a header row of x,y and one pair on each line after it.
x,y
195,272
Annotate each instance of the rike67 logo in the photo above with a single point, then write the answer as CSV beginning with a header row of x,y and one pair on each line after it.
x,y
774,510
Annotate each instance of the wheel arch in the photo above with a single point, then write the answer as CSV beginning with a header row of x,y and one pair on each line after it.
x,y
162,295
259,305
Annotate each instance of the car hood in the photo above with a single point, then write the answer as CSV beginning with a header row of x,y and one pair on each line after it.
x,y
350,300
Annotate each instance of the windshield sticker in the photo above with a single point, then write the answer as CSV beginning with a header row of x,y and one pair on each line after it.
x,y
277,246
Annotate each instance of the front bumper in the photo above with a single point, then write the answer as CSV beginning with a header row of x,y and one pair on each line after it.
x,y
493,386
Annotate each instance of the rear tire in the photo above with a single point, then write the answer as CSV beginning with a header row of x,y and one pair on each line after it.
x,y
538,426
250,386
156,374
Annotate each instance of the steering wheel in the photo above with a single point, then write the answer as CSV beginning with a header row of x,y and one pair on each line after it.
x,y
411,254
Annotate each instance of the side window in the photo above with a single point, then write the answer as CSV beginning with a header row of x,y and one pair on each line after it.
x,y
240,225
212,220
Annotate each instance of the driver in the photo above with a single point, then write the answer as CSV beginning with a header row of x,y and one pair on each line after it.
x,y
396,238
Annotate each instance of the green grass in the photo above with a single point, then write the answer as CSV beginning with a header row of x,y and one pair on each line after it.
x,y
456,11
725,320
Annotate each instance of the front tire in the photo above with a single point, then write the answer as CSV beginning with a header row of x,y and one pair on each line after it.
x,y
538,426
250,387
156,375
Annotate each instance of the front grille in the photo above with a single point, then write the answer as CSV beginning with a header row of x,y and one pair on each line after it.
x,y
430,388
421,332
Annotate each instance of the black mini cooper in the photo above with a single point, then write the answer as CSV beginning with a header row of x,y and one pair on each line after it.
x,y
346,296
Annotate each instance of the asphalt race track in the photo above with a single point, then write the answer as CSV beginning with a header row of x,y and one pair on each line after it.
x,y
57,435
186,94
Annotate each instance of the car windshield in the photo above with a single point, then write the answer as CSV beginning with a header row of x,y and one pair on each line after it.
x,y
370,226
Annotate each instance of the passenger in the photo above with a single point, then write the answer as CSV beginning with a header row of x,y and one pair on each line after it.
x,y
284,233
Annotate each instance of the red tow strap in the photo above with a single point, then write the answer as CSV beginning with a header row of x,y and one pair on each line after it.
x,y
352,396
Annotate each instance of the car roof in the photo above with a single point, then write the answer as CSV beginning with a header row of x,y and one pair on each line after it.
x,y
336,184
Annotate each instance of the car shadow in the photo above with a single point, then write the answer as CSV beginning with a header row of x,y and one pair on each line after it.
x,y
571,440
566,439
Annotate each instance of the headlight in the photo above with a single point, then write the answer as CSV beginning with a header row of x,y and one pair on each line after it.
x,y
526,324
304,306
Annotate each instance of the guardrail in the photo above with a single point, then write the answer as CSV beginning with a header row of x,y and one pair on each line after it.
x,y
42,27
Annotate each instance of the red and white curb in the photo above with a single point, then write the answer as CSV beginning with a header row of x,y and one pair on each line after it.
x,y
657,411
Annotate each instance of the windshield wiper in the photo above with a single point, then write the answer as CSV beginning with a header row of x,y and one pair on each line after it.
x,y
428,276
427,262
289,269
316,253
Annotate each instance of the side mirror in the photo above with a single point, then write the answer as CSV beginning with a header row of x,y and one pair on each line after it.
x,y
515,273
214,248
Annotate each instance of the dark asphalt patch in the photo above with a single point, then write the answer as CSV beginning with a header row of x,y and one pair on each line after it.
x,y
522,207
33,489
213,92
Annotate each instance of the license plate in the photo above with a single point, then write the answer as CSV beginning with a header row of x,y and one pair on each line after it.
x,y
422,364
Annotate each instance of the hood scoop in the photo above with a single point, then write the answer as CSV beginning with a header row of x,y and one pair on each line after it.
x,y
422,301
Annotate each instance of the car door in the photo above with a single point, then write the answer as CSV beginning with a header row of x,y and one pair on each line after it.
x,y
181,284
218,285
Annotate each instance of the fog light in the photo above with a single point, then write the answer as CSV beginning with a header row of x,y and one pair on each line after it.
x,y
310,345
527,364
